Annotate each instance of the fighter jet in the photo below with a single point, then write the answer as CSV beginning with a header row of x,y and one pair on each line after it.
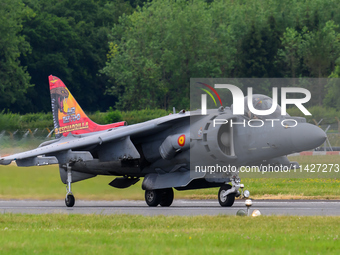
x,y
173,151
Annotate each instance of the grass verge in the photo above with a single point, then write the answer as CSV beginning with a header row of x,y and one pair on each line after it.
x,y
130,234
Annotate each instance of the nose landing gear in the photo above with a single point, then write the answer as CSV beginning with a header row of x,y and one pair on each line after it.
x,y
227,192
225,199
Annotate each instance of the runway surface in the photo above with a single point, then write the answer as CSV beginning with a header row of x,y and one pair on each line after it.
x,y
179,207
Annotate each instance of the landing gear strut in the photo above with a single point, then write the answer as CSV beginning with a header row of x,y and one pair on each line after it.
x,y
69,200
163,197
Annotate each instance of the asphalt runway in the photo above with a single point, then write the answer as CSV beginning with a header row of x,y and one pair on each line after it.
x,y
179,207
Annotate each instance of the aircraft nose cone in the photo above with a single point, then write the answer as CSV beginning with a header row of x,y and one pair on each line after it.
x,y
306,137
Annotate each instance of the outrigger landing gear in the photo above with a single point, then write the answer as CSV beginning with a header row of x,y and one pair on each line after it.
x,y
227,193
69,200
163,197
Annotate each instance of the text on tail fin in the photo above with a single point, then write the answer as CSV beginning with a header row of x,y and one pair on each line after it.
x,y
68,117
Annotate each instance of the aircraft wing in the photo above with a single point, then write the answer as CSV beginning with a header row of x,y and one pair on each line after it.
x,y
64,149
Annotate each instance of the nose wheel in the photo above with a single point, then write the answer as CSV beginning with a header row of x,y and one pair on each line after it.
x,y
227,193
226,200
69,200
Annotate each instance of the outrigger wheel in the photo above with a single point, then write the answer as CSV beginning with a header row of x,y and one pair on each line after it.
x,y
163,197
70,200
226,201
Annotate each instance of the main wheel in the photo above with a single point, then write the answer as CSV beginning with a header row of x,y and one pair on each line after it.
x,y
167,197
229,199
153,197
70,200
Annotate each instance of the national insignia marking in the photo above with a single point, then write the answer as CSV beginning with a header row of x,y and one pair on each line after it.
x,y
181,140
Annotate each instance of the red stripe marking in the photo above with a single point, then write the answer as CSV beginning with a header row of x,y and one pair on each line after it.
x,y
332,153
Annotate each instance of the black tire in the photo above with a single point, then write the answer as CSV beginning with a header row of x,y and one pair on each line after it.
x,y
229,200
167,197
153,197
70,200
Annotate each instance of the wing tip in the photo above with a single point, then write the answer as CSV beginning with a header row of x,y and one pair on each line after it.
x,y
4,161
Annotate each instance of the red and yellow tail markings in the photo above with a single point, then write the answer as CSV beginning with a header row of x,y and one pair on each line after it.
x,y
68,116
54,80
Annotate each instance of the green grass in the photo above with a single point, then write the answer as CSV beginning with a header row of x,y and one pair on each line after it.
x,y
44,183
130,234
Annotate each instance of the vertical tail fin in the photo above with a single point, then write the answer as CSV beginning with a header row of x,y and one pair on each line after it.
x,y
68,117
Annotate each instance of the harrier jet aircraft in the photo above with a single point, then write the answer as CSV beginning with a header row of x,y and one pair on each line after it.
x,y
166,151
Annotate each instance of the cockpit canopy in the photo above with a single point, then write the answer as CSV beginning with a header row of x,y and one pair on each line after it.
x,y
261,102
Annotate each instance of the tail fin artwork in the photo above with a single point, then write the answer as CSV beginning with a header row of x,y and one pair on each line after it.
x,y
68,117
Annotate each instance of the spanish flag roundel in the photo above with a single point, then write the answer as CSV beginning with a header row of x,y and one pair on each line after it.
x,y
181,140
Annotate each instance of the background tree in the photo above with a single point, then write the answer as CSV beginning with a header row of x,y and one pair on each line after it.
x,y
319,50
69,39
155,47
290,54
333,88
156,50
14,78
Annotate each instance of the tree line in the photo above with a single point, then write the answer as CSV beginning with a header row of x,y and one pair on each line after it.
x,y
141,54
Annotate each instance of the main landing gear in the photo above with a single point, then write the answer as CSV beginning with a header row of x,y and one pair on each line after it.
x,y
226,194
69,200
163,197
